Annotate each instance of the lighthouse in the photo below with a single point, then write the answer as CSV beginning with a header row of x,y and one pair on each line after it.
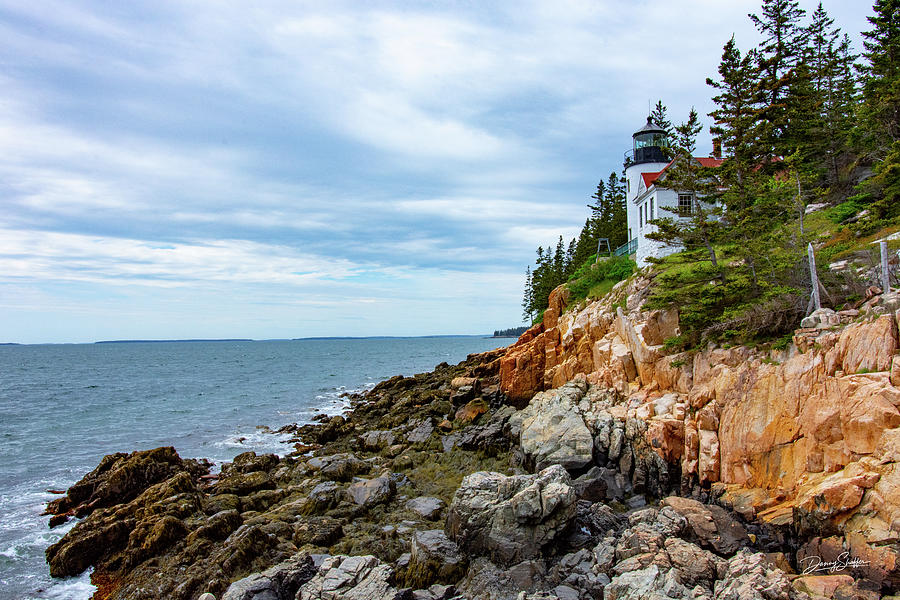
x,y
647,156
647,197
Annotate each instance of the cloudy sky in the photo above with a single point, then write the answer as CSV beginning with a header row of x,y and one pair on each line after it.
x,y
199,168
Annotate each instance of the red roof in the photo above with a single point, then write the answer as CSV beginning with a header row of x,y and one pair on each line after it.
x,y
709,161
705,161
649,178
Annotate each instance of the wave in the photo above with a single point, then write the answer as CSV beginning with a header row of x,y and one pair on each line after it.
x,y
25,535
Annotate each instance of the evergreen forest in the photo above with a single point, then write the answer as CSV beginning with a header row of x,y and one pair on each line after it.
x,y
810,133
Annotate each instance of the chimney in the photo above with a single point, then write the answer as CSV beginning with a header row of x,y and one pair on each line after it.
x,y
717,148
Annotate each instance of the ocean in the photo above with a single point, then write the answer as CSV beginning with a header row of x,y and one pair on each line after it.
x,y
63,407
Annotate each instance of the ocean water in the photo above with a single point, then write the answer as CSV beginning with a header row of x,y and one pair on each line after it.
x,y
63,407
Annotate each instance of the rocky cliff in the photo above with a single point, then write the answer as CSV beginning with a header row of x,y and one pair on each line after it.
x,y
804,440
582,463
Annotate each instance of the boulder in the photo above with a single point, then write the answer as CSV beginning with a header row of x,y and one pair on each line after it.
x,y
420,431
868,346
376,440
591,486
132,531
243,484
369,492
219,526
694,566
576,576
641,538
434,559
710,525
120,478
436,592
280,582
324,495
350,578
471,411
553,430
460,382
427,507
248,462
489,437
649,583
509,519
752,577
822,585
486,581
318,531
340,467
822,317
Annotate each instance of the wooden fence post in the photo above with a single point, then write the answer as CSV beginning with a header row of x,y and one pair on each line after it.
x,y
817,303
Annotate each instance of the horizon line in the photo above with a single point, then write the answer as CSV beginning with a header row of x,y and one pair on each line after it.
x,y
218,340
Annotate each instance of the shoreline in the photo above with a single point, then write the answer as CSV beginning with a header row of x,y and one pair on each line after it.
x,y
316,433
345,490
291,398
440,486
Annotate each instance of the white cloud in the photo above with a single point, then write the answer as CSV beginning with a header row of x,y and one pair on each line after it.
x,y
49,256
372,161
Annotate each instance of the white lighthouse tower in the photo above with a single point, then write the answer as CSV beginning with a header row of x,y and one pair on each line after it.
x,y
642,163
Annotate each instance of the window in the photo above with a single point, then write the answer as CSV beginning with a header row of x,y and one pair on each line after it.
x,y
651,209
685,205
641,215
628,186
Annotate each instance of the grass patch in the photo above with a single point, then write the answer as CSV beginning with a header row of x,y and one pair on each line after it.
x,y
596,279
440,473
601,289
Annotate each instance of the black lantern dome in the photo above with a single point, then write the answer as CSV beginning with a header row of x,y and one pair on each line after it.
x,y
650,142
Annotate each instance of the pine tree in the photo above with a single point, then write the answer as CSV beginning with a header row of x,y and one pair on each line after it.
x,y
617,227
881,110
823,39
559,262
599,211
659,116
528,297
830,60
586,244
696,234
803,140
880,84
736,123
608,213
570,259
779,54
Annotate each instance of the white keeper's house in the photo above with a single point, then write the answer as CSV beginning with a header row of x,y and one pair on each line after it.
x,y
646,194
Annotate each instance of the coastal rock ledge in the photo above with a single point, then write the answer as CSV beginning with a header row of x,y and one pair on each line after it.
x,y
581,463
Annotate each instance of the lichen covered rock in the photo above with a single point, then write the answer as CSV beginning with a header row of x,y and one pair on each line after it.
x,y
552,430
510,519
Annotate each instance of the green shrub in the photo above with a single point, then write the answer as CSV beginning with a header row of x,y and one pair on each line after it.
x,y
588,278
844,210
674,343
784,342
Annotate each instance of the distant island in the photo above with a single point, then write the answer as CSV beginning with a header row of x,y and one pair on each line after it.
x,y
170,341
385,337
511,332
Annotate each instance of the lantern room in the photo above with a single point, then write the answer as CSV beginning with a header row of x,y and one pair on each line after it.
x,y
650,143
